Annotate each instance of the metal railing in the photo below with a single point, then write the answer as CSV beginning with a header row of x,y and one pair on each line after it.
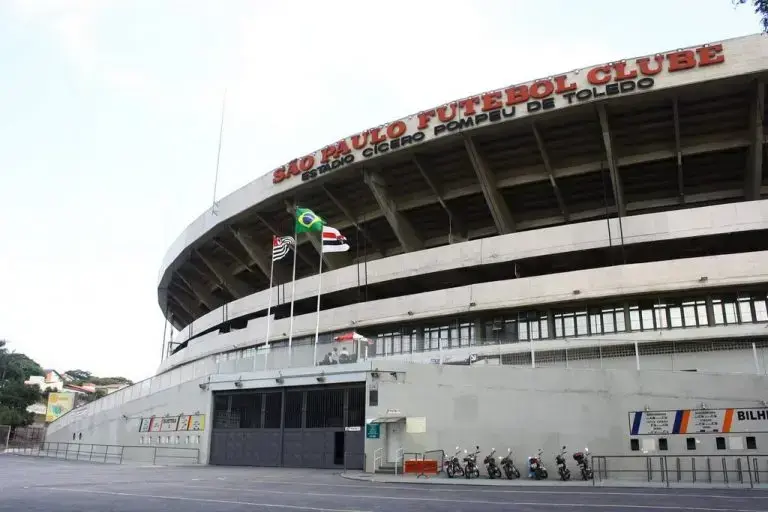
x,y
399,455
111,454
378,456
718,470
636,353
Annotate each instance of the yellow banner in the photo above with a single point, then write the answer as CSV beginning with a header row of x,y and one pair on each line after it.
x,y
59,404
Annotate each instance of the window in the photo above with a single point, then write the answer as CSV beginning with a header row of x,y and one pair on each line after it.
x,y
690,443
751,443
607,320
719,443
724,309
634,445
570,323
663,446
373,397
532,325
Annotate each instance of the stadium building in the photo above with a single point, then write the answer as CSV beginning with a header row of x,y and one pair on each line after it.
x,y
579,259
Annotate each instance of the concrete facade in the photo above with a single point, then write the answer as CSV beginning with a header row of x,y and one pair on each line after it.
x,y
668,225
527,409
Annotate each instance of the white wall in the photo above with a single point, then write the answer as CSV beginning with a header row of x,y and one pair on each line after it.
x,y
526,409
120,425
616,281
710,220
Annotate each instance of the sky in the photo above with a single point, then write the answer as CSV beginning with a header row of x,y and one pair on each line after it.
x,y
110,111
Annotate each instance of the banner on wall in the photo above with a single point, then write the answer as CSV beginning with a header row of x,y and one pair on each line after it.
x,y
191,423
58,405
699,421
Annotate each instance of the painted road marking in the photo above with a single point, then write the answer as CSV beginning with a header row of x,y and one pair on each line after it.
x,y
203,500
478,489
486,502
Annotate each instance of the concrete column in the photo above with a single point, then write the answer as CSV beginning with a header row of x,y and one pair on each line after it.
x,y
500,212
402,227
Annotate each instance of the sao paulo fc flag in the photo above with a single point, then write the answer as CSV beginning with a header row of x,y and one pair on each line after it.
x,y
333,240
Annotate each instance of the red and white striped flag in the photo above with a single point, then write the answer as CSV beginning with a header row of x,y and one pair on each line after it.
x,y
333,240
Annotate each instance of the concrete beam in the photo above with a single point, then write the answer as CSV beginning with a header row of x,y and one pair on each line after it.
x,y
271,228
754,175
233,285
331,261
502,217
550,172
353,220
404,231
199,290
678,152
186,301
262,258
618,191
458,228
242,263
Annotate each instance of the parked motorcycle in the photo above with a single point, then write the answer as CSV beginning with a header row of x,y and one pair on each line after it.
x,y
562,470
536,466
509,467
582,461
453,465
490,465
470,464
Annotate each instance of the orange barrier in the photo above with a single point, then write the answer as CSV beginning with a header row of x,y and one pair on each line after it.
x,y
418,466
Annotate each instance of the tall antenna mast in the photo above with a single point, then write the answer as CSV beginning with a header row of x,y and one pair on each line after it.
x,y
218,155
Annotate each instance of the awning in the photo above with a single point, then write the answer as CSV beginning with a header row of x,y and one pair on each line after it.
x,y
388,419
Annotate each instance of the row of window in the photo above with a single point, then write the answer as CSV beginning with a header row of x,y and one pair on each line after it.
x,y
556,323
585,321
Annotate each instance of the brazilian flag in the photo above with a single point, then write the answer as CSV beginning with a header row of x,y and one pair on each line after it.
x,y
307,221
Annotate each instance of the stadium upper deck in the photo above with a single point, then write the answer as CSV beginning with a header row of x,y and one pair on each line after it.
x,y
671,130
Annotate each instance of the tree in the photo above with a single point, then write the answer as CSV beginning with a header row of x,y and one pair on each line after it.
x,y
79,376
761,9
15,396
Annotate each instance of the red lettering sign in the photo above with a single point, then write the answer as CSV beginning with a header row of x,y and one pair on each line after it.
x,y
395,135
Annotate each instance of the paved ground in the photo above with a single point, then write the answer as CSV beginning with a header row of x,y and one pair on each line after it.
x,y
30,484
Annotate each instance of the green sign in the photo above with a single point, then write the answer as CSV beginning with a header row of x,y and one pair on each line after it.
x,y
373,431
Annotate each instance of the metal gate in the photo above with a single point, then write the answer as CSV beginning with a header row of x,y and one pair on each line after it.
x,y
308,427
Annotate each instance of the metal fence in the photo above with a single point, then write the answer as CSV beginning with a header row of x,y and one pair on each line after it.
x,y
110,454
684,470
5,437
628,353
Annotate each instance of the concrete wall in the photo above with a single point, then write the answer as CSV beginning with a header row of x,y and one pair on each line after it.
x,y
120,425
744,55
616,281
704,221
526,409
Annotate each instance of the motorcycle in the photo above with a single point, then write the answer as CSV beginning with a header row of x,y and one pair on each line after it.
x,y
564,472
490,465
537,467
509,467
453,465
470,464
583,463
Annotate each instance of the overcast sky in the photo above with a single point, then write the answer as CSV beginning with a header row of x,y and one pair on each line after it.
x,y
109,118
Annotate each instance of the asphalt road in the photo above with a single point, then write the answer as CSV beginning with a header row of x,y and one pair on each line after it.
x,y
31,484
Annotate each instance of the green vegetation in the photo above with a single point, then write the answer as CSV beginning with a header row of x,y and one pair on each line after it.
x,y
761,9
15,396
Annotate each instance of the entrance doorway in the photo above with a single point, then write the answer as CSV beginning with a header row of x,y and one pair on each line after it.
x,y
338,448
305,427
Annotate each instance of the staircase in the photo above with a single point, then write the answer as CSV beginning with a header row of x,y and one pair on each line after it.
x,y
388,468
385,467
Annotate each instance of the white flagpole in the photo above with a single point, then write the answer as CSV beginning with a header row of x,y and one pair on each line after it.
x,y
269,309
319,288
293,288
